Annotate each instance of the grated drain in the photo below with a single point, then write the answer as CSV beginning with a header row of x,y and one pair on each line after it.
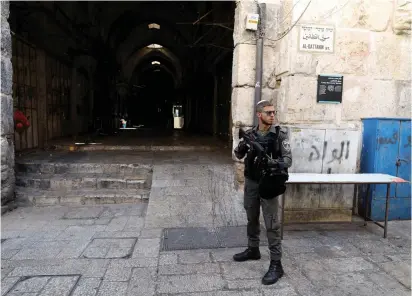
x,y
192,238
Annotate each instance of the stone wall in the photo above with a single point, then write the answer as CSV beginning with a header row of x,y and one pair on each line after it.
x,y
371,50
7,124
372,46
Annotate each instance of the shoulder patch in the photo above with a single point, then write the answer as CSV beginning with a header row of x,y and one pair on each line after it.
x,y
286,145
284,130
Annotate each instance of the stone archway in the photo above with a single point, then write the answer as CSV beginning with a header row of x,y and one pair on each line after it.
x,y
145,53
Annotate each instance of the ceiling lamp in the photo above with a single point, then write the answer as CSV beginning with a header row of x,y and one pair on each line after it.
x,y
154,26
155,63
154,46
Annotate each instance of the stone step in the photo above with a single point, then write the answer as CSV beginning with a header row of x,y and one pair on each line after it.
x,y
185,148
31,197
70,168
83,181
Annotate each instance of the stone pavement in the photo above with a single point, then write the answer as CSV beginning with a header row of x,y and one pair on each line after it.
x,y
120,249
194,195
107,250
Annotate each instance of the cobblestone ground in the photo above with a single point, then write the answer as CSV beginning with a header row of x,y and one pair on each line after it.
x,y
118,249
106,250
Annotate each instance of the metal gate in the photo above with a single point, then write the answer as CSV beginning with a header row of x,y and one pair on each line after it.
x,y
58,82
25,91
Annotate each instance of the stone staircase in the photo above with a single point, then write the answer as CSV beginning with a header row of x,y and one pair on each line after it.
x,y
54,183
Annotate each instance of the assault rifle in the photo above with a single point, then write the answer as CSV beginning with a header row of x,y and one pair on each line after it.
x,y
254,145
272,180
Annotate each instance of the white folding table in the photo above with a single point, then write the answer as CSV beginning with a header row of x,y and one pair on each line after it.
x,y
356,179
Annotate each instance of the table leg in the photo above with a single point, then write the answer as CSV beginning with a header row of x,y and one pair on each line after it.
x,y
388,190
365,216
283,217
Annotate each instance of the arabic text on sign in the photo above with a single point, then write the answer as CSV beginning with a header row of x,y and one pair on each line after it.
x,y
316,38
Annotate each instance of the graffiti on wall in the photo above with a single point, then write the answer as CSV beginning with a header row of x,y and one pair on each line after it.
x,y
324,150
387,140
408,144
337,154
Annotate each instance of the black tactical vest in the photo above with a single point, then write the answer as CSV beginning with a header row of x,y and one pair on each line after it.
x,y
271,144
273,183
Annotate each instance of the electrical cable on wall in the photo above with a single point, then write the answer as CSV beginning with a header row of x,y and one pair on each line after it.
x,y
333,12
322,18
254,39
290,11
290,29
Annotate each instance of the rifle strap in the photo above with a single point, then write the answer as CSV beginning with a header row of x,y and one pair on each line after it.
x,y
277,141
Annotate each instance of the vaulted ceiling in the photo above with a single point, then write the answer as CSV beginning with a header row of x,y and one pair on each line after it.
x,y
193,34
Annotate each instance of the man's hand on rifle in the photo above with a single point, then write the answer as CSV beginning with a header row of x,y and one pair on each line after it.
x,y
241,149
276,164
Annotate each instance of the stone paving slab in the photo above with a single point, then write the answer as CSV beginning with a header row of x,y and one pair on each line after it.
x,y
207,200
109,248
42,248
186,238
43,285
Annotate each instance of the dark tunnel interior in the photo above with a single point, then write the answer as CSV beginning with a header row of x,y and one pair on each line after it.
x,y
126,60
151,105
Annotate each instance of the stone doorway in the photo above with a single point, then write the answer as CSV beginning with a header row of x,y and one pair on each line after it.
x,y
97,63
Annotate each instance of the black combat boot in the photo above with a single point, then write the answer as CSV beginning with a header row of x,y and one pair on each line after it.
x,y
274,273
248,254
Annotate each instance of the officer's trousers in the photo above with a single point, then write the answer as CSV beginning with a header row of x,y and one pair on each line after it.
x,y
252,203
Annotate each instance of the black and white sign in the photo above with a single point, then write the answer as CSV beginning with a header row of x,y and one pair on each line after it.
x,y
314,38
330,89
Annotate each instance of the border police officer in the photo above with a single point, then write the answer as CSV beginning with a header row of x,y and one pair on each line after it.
x,y
275,140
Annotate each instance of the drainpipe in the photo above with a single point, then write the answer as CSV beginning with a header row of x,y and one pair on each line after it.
x,y
259,55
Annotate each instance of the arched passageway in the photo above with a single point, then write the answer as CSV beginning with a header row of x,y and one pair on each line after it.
x,y
139,58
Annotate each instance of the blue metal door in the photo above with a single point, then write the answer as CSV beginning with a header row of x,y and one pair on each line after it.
x,y
387,148
404,160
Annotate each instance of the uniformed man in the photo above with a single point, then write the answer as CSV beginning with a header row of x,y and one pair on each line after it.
x,y
279,149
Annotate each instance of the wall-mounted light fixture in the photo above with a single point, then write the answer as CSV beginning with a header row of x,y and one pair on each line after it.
x,y
155,63
154,26
154,46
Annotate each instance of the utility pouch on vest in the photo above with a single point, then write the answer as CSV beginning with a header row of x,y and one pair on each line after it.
x,y
272,185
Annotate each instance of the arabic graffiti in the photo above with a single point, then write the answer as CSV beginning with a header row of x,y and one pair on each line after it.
x,y
337,154
311,156
386,140
409,142
324,150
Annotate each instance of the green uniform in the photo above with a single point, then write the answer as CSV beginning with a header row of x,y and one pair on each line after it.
x,y
252,201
